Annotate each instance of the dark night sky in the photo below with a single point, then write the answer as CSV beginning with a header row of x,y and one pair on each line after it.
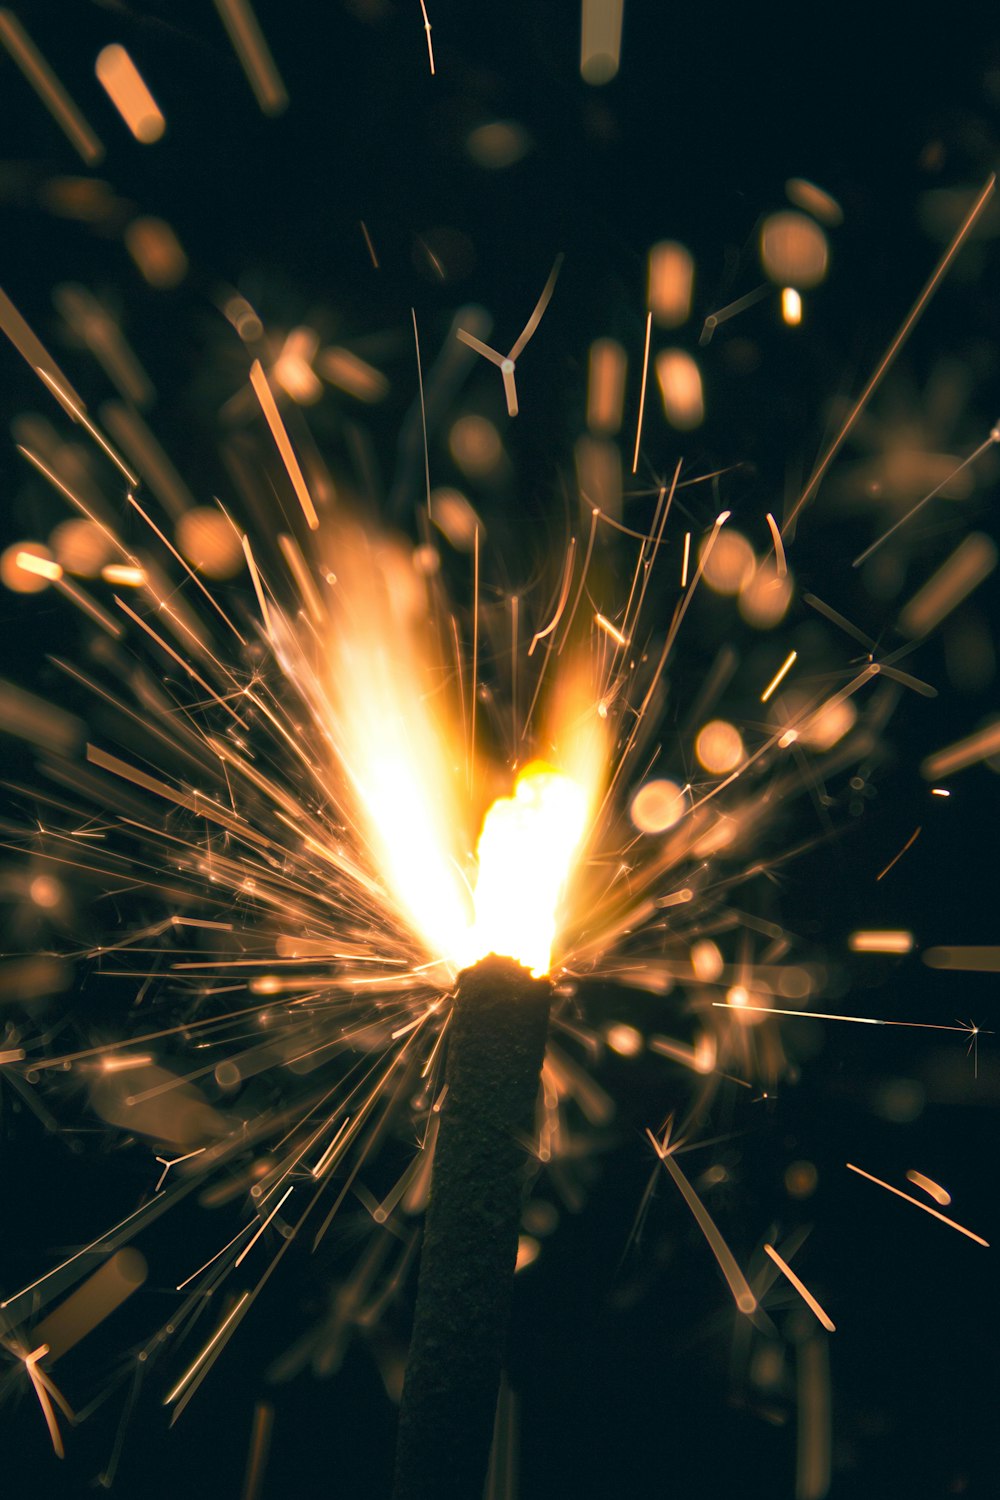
x,y
629,1378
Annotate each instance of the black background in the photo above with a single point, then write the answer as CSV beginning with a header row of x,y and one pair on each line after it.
x,y
628,1382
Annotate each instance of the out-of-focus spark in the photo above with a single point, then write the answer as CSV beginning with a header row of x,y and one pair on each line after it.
x,y
802,1290
968,960
642,392
884,941
30,347
812,1458
972,561
600,40
260,1442
507,363
723,314
681,390
368,242
49,90
248,41
605,386
129,93
988,442
738,1285
193,1368
917,1204
64,395
670,282
791,313
156,250
779,676
42,567
427,32
93,1301
963,753
937,276
897,857
934,1189
820,1015
779,546
269,407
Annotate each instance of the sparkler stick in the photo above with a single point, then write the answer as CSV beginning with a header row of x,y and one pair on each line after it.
x,y
496,1046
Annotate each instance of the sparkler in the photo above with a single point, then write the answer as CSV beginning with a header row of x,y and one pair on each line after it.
x,y
298,780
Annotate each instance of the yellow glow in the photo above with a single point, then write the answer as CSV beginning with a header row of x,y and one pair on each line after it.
x,y
525,853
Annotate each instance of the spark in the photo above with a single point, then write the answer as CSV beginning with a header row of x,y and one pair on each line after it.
x,y
738,1285
779,546
260,1442
881,941
966,463
423,411
974,748
427,30
723,314
897,857
50,91
279,432
780,675
917,1204
819,1015
686,559
193,1368
642,392
939,791
507,363
969,958
129,93
940,1195
248,41
802,1289
937,276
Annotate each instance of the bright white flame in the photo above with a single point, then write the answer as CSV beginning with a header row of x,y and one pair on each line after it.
x,y
526,851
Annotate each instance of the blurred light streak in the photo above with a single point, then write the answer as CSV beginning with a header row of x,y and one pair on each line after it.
x,y
793,250
129,93
738,1285
939,791
949,478
49,90
963,753
972,561
813,1449
937,1192
936,277
30,347
93,1301
791,307
352,374
156,250
884,941
93,324
670,283
36,563
260,1443
731,310
248,42
814,200
642,392
917,1204
77,411
680,389
129,429
780,675
605,386
36,719
897,857
969,960
600,40
802,1290
279,432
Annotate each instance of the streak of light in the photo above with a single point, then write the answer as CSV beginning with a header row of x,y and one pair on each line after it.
x,y
129,429
972,561
260,1442
42,567
427,31
780,675
292,554
101,1241
723,314
934,1189
779,547
173,1161
124,575
917,1204
249,1246
802,1289
348,372
36,719
814,1437
686,559
423,411
30,347
507,363
95,326
738,1285
897,857
612,630
121,1063
43,1387
963,753
605,386
791,313
564,589
642,392
815,200
49,90
129,93
212,1258
193,1368
93,1300
938,274
248,41
819,1015
884,941
279,432
600,40
939,791
966,463
65,397
368,242
969,960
